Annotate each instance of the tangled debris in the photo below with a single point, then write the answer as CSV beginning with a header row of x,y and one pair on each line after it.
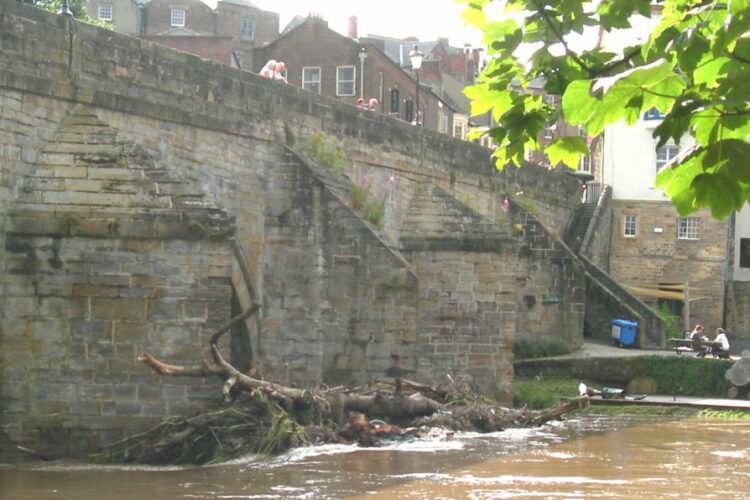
x,y
268,418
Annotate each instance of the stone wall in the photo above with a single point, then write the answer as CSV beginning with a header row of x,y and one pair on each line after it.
x,y
598,237
738,314
104,260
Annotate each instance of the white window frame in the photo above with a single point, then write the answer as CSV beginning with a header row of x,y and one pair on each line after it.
x,y
689,228
244,20
584,164
630,226
104,12
177,17
442,121
459,128
307,82
341,81
667,152
549,131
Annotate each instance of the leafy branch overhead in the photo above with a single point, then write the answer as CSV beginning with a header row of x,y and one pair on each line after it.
x,y
690,61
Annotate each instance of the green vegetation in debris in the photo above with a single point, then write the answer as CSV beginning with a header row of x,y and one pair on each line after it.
x,y
319,150
530,349
692,67
685,375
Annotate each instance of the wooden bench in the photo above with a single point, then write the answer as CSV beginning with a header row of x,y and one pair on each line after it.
x,y
681,346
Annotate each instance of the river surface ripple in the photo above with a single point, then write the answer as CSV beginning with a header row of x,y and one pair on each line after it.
x,y
586,457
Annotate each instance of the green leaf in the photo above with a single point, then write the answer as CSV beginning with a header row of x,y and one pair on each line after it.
x,y
567,150
709,70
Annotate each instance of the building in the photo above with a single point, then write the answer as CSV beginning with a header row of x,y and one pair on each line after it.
x,y
227,34
667,260
322,61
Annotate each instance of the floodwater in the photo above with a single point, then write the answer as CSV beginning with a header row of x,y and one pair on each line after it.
x,y
586,457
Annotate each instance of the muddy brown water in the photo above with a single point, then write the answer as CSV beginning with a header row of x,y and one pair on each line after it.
x,y
587,457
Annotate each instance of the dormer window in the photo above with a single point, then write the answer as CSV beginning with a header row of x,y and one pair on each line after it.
x,y
177,18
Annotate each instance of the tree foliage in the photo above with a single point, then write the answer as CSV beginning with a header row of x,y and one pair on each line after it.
x,y
76,7
693,66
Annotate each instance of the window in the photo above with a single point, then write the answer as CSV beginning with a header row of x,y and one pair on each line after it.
x,y
409,111
584,164
629,226
247,29
689,228
442,122
664,154
311,79
395,99
345,76
105,12
177,18
459,129
549,99
744,252
549,132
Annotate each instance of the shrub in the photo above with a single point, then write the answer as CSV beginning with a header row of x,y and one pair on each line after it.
x,y
529,349
671,328
543,393
685,375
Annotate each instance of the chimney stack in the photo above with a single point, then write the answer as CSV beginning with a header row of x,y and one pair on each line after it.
x,y
353,27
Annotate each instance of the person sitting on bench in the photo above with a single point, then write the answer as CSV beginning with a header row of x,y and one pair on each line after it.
x,y
721,350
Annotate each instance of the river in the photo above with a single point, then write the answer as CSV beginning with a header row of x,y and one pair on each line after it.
x,y
583,457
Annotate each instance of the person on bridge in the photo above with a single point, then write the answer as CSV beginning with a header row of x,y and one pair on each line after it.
x,y
268,70
279,72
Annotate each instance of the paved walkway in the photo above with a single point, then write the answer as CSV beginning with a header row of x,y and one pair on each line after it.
x,y
690,402
602,350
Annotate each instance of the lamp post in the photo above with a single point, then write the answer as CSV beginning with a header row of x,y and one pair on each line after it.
x,y
416,64
64,10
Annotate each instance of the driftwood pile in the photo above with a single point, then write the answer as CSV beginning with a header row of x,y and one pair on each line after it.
x,y
264,417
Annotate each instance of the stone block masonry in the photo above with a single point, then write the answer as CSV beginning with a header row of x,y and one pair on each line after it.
x,y
130,174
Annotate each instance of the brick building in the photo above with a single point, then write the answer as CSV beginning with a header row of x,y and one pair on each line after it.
x,y
322,61
226,34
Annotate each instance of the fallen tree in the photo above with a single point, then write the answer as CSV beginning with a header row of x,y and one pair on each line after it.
x,y
265,417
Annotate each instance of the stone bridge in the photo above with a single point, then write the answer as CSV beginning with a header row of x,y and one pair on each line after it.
x,y
147,195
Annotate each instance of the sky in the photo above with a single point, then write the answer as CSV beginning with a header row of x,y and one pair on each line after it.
x,y
425,19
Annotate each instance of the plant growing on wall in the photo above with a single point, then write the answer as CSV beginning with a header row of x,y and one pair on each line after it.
x,y
372,204
316,148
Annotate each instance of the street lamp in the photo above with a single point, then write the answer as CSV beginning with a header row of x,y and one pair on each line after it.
x,y
64,10
416,64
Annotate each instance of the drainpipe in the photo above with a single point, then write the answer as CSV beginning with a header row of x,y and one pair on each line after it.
x,y
362,56
382,84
